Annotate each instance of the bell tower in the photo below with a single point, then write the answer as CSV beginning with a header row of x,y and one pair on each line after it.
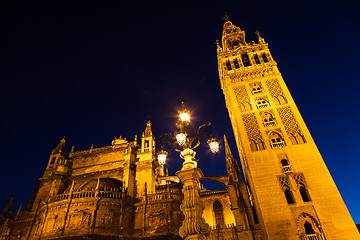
x,y
290,186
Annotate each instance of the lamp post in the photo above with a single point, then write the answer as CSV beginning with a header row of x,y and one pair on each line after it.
x,y
184,141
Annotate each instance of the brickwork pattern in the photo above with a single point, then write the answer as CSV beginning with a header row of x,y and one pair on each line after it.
x,y
252,127
289,121
274,88
241,95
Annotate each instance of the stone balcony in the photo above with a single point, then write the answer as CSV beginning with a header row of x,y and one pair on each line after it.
x,y
316,236
287,169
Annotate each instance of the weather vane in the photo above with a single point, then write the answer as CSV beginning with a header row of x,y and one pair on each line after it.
x,y
226,17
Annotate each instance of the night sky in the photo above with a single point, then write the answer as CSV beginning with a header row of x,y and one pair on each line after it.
x,y
92,71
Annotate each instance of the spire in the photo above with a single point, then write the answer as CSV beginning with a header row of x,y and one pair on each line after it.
x,y
60,148
19,209
230,162
8,212
148,131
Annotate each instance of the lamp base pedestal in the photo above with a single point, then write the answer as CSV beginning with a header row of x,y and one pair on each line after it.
x,y
194,225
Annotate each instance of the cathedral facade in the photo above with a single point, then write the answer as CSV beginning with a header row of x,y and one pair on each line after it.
x,y
120,191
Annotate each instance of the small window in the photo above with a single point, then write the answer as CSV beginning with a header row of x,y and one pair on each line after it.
x,y
246,60
276,140
284,162
53,159
289,196
309,228
228,65
268,119
264,57
147,144
256,88
261,103
256,58
304,194
236,63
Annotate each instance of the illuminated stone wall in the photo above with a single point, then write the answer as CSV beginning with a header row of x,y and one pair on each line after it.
x,y
290,186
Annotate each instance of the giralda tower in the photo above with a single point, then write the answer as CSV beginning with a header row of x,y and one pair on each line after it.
x,y
292,191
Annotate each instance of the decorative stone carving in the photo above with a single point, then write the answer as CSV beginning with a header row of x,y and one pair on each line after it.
x,y
194,225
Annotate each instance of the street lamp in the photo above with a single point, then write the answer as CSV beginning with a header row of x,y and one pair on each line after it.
x,y
162,157
184,141
214,145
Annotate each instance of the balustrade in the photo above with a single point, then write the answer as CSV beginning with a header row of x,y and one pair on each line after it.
x,y
287,169
315,236
278,144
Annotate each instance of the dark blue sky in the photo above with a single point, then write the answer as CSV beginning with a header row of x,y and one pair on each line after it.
x,y
93,71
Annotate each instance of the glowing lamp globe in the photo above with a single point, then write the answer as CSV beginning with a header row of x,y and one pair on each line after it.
x,y
185,117
214,145
162,157
181,138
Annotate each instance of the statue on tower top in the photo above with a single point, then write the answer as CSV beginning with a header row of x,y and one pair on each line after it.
x,y
226,17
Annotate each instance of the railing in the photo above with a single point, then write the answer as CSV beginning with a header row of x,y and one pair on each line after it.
x,y
225,232
87,194
175,195
211,192
257,91
269,123
316,236
287,169
278,144
263,105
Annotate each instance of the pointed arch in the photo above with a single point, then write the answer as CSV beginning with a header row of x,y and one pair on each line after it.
x,y
289,196
261,144
277,101
292,139
299,138
267,119
304,193
309,226
262,103
253,146
282,99
218,212
276,140
284,162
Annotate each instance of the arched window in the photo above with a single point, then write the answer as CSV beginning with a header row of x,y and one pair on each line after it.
x,y
276,140
308,228
289,196
286,168
228,65
219,215
268,119
246,60
256,58
256,88
236,63
264,57
284,162
304,194
262,103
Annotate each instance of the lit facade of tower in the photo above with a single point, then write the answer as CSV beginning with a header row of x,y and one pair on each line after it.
x,y
291,188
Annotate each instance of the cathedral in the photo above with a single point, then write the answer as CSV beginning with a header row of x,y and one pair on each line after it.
x,y
121,191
